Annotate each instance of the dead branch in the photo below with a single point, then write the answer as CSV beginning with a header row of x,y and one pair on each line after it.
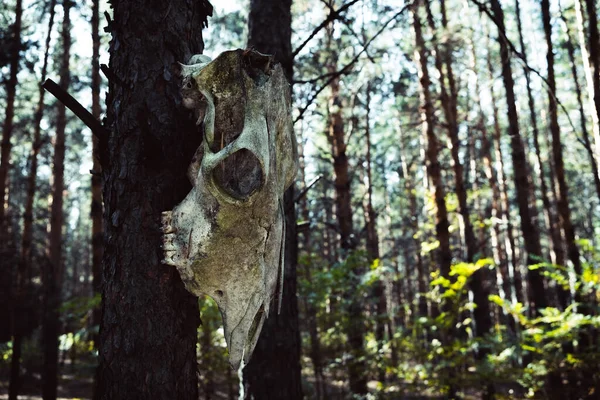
x,y
306,189
333,15
346,68
84,115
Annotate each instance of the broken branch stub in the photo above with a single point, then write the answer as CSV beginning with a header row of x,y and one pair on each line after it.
x,y
226,237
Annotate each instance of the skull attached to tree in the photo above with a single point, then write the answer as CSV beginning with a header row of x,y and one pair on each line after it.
x,y
226,238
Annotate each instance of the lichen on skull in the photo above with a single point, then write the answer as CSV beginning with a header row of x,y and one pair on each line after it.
x,y
226,237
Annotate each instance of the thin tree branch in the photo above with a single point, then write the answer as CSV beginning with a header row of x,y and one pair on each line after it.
x,y
333,15
346,68
84,115
306,189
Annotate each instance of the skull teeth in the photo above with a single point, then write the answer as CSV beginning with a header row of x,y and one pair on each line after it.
x,y
168,245
167,222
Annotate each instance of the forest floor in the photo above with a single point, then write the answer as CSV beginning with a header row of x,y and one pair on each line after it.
x,y
76,382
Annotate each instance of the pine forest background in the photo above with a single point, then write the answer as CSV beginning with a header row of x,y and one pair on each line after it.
x,y
447,201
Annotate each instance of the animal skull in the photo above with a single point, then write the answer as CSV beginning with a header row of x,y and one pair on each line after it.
x,y
226,237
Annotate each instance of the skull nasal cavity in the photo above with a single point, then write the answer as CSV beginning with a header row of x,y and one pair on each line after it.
x,y
239,175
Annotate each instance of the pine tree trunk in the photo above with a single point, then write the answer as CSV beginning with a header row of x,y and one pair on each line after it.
x,y
585,55
563,189
531,238
432,162
53,273
449,99
355,329
558,254
268,375
309,307
96,206
515,281
582,117
11,91
373,240
27,236
594,41
149,324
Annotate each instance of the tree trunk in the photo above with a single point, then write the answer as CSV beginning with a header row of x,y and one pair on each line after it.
x,y
449,99
582,117
96,206
381,319
11,91
310,309
53,274
149,321
355,329
557,254
268,375
432,163
563,190
585,55
27,236
531,238
594,40
515,281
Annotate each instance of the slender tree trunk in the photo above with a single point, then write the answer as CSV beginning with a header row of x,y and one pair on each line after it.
x,y
499,253
449,99
587,68
53,274
558,254
563,189
207,361
582,117
355,328
310,309
268,375
373,240
594,41
531,238
11,91
96,206
515,281
149,324
432,161
433,165
27,236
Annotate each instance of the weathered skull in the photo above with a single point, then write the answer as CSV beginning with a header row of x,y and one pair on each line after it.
x,y
226,237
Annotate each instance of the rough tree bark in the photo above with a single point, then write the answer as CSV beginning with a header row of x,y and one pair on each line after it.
x,y
149,321
269,375
96,206
11,91
53,270
531,237
27,237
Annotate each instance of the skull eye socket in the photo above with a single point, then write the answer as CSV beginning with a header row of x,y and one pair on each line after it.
x,y
239,175
188,85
